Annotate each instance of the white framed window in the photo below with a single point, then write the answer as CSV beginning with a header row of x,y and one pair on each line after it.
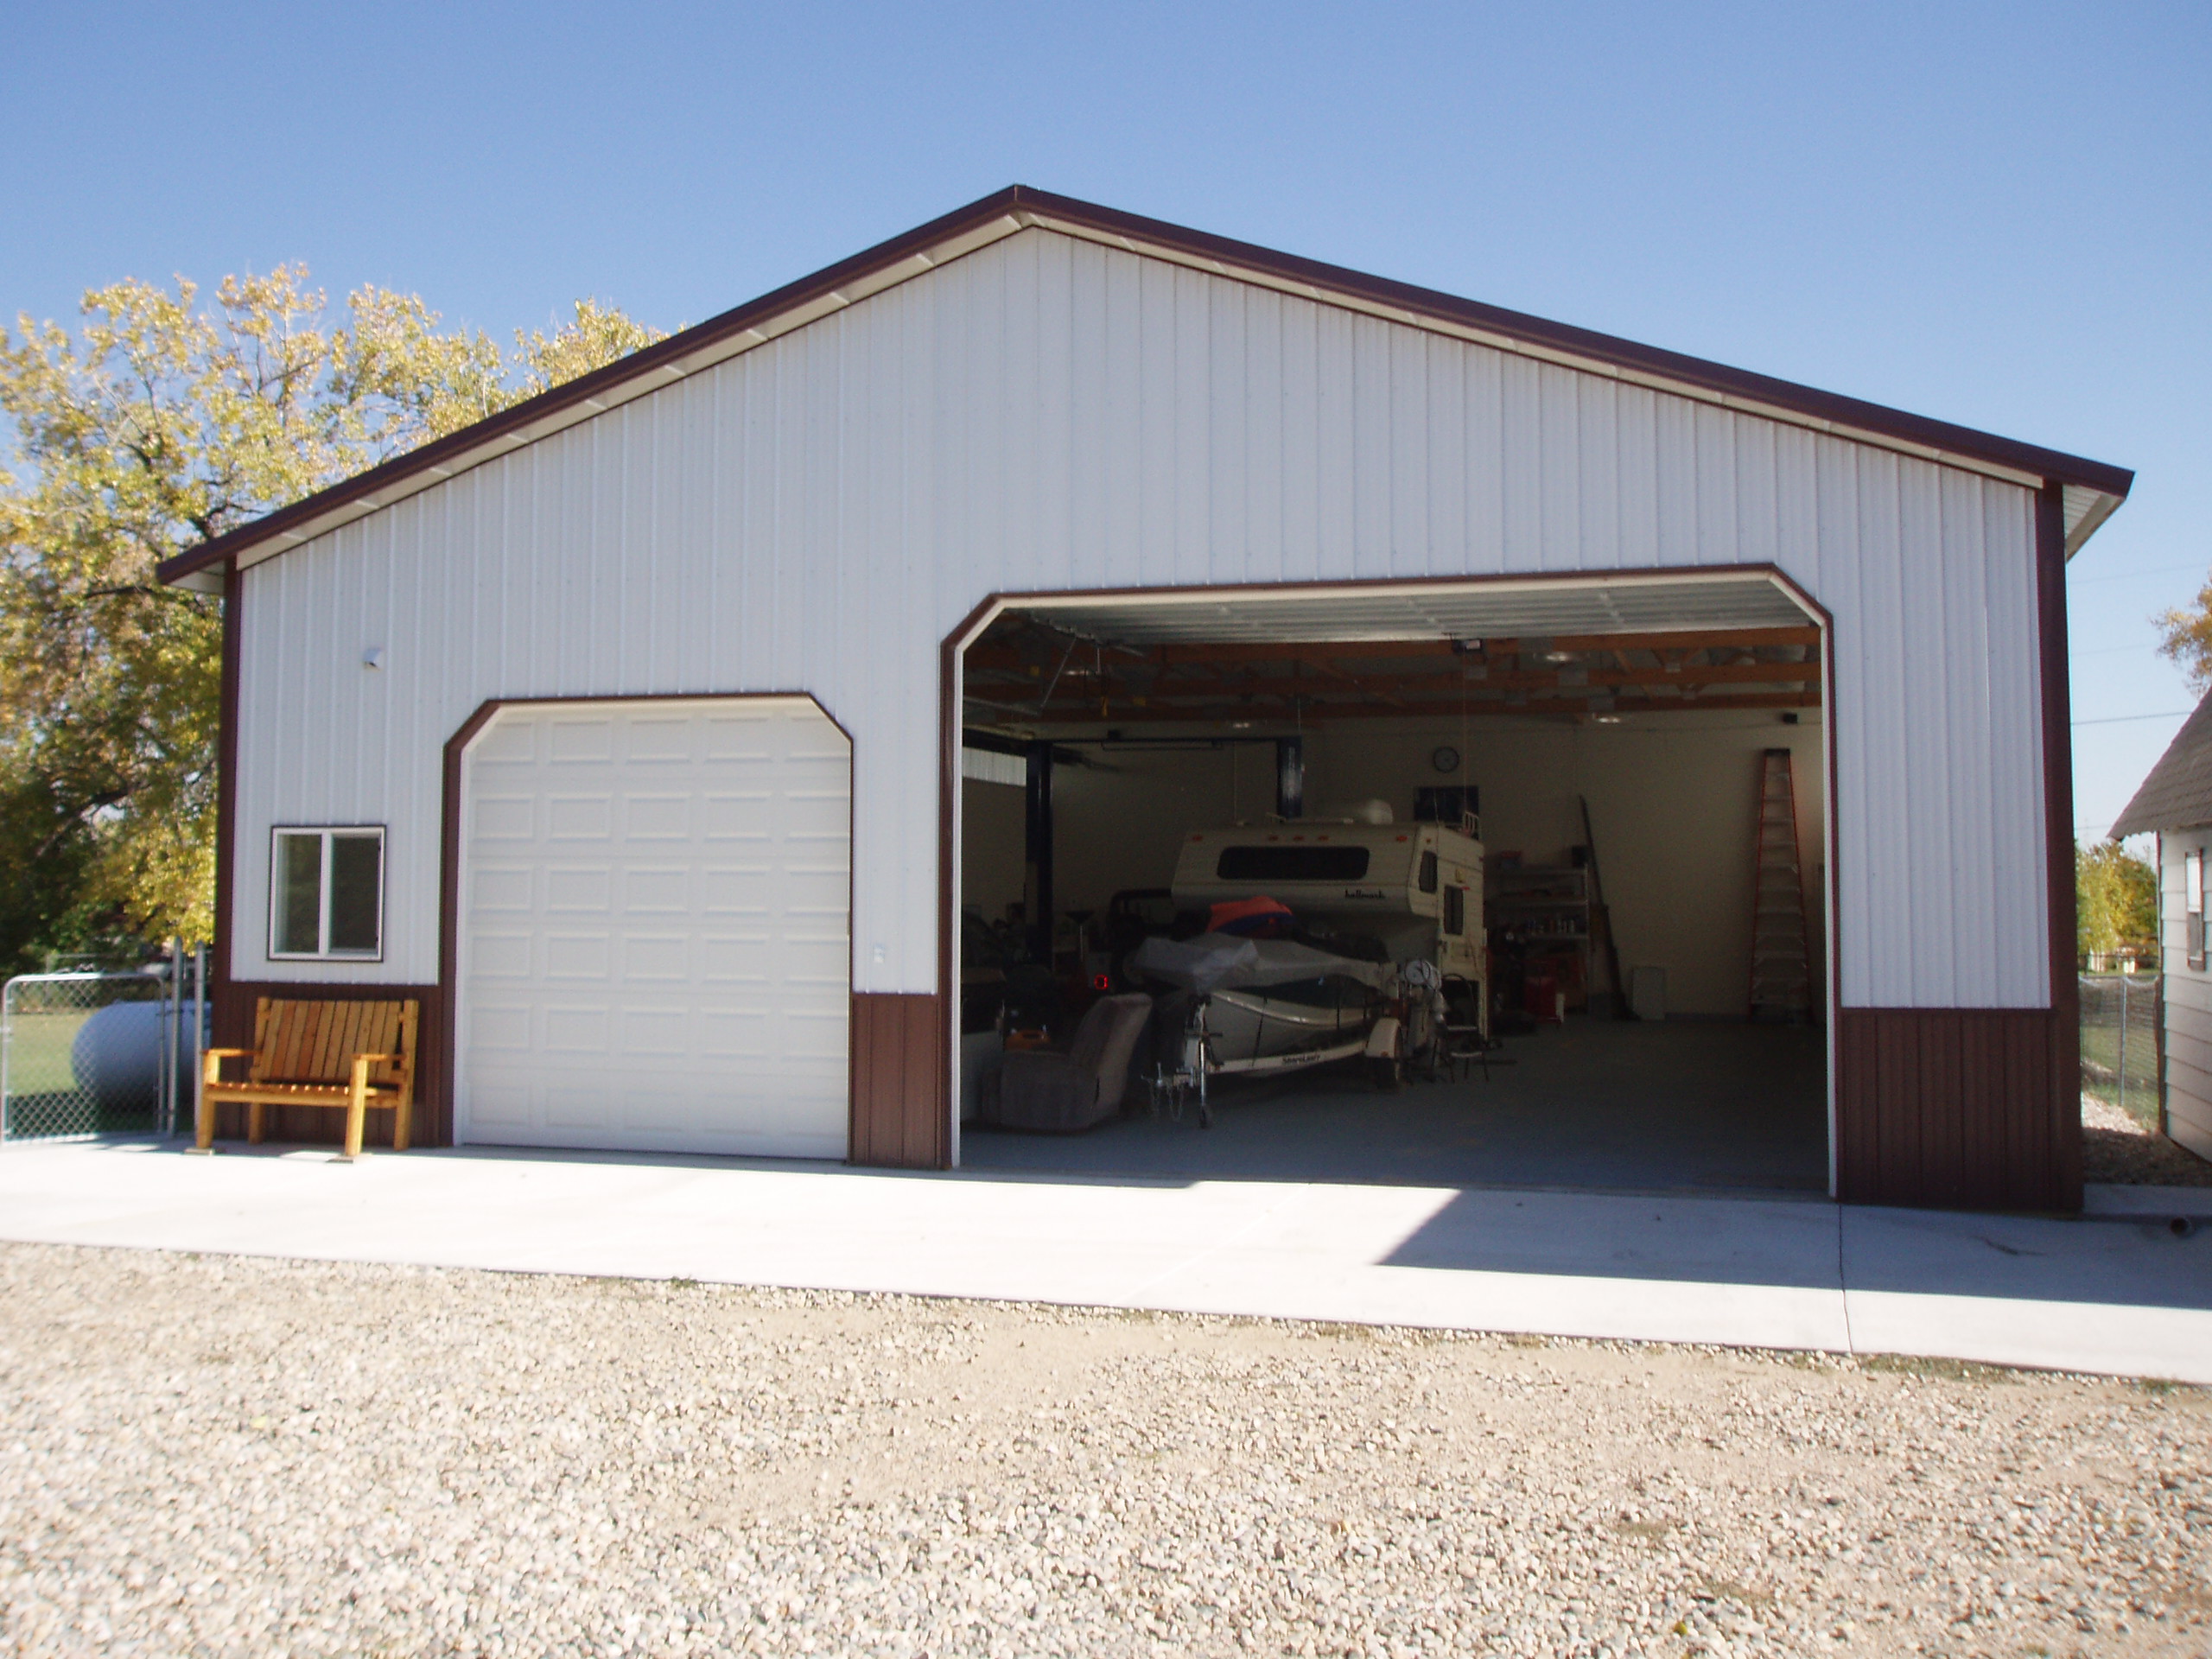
x,y
326,893
2192,887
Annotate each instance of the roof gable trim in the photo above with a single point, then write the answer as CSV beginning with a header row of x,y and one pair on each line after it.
x,y
996,217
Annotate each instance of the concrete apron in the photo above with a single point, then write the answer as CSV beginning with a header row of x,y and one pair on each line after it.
x,y
2119,1291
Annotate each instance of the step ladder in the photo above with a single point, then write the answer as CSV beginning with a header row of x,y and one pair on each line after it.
x,y
1782,971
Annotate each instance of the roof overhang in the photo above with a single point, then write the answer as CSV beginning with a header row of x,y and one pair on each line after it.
x,y
2093,489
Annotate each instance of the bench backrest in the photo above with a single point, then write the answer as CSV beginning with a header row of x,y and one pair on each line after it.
x,y
315,1042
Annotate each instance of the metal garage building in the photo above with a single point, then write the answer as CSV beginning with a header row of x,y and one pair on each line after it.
x,y
652,687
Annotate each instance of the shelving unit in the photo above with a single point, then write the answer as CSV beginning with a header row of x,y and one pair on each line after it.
x,y
1549,906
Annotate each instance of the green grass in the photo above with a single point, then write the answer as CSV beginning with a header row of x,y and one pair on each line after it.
x,y
38,1051
2101,1049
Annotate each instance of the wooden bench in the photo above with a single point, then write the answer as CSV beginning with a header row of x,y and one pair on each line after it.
x,y
357,1055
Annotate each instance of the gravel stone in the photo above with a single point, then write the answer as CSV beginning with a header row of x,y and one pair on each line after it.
x,y
2118,1148
222,1455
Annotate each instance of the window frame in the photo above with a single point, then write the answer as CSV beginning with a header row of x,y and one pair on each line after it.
x,y
1455,910
329,832
2192,907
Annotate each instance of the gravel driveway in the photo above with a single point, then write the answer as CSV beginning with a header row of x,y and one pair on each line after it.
x,y
227,1455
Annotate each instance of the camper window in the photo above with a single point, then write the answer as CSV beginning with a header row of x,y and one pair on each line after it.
x,y
1291,864
1455,910
1428,872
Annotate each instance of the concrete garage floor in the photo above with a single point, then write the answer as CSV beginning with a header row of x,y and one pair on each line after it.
x,y
1594,1105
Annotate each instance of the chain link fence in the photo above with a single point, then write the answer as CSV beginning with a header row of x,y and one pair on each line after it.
x,y
94,1053
2119,1042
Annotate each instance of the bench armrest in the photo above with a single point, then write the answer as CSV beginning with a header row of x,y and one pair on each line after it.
x,y
363,1062
211,1061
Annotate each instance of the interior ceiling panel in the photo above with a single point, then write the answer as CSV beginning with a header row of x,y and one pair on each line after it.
x,y
1537,608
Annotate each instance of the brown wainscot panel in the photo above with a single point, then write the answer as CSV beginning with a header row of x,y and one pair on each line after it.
x,y
901,1110
234,1003
1955,1109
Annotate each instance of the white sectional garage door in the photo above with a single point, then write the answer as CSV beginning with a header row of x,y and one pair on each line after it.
x,y
654,931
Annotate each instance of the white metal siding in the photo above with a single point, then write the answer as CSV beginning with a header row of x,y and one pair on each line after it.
x,y
816,514
652,939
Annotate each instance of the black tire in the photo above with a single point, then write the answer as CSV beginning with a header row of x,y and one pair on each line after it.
x,y
1388,1072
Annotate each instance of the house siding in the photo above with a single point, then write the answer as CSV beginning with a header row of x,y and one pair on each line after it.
x,y
2187,1001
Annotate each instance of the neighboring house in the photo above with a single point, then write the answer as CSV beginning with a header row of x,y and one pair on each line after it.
x,y
2174,804
723,594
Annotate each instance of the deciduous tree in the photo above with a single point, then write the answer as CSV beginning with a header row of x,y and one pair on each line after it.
x,y
2116,901
160,423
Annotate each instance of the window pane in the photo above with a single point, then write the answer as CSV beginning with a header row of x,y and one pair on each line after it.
x,y
1455,910
353,873
299,894
1291,864
1428,872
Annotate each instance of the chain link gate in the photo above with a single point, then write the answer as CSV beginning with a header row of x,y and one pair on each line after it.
x,y
102,1053
2119,1042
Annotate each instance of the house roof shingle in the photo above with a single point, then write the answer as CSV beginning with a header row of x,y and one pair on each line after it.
x,y
2177,795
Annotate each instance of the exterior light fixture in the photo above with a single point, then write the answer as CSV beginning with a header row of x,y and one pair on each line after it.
x,y
1559,656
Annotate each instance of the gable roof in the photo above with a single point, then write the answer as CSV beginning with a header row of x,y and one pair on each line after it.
x,y
2177,795
2092,489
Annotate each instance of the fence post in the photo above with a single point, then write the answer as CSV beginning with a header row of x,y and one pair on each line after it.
x,y
198,1027
2123,1042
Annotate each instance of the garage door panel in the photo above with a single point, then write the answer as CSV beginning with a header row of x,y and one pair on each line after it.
x,y
501,956
503,1028
577,889
568,739
578,956
657,890
661,1024
506,743
579,817
574,1029
504,817
655,1034
657,817
649,958
495,890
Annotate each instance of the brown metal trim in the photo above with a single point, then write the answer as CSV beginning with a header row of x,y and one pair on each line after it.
x,y
227,791
2059,842
447,989
1419,303
1947,1108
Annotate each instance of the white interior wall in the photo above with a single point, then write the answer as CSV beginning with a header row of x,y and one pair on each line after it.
x,y
1672,799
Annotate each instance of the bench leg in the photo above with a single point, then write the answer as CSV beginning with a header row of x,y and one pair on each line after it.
x,y
357,1110
203,1137
403,1115
255,1120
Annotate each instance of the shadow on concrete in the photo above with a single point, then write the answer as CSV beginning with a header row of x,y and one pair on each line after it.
x,y
2131,1260
1593,1106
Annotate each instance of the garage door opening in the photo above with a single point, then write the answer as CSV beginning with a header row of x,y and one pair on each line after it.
x,y
1585,945
652,938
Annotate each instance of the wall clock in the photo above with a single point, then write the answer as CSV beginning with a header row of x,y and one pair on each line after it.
x,y
1446,759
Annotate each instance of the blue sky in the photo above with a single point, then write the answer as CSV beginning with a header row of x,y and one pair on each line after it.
x,y
1998,215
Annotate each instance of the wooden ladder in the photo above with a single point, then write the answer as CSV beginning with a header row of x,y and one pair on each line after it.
x,y
1781,972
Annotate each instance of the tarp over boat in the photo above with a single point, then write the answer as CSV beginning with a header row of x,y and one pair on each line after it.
x,y
1224,962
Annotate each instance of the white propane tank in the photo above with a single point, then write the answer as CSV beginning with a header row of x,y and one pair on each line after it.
x,y
116,1055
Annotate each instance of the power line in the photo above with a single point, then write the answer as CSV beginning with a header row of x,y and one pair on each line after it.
x,y
2131,575
2114,720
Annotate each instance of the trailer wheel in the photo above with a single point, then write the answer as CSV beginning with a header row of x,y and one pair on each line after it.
x,y
1388,1072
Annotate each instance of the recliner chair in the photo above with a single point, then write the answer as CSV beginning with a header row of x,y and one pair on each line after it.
x,y
1065,1094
